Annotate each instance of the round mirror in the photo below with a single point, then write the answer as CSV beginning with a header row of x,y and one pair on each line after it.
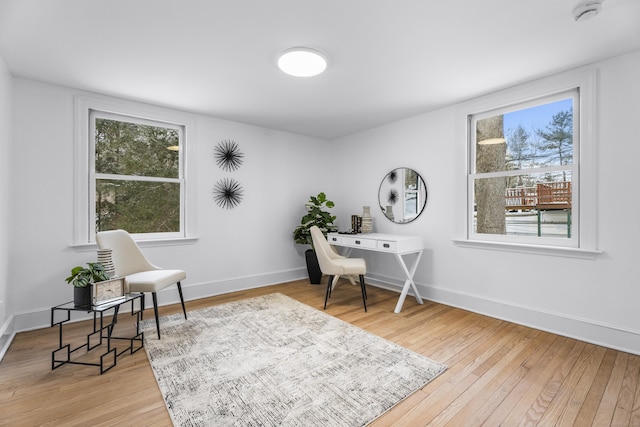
x,y
402,195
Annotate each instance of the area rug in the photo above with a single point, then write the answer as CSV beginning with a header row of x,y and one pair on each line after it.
x,y
273,361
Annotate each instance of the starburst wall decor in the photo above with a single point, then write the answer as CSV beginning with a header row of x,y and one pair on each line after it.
x,y
393,196
228,155
228,193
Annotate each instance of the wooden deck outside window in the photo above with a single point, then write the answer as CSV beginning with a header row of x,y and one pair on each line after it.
x,y
544,196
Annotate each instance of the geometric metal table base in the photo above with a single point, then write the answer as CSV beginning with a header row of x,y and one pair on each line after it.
x,y
101,332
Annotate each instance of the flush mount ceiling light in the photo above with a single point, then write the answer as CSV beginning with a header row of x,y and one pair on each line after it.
x,y
302,62
587,10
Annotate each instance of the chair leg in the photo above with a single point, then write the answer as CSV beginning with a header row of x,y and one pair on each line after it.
x,y
155,310
182,300
328,293
142,306
364,292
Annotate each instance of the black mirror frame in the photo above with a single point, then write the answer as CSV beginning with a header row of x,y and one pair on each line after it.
x,y
389,177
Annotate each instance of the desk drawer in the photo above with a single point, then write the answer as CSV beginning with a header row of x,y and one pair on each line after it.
x,y
359,242
387,245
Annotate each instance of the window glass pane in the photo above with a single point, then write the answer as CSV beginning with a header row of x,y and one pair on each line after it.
x,y
411,193
539,136
133,149
137,206
538,142
537,204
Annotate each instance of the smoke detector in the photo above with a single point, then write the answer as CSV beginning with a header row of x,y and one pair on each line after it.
x,y
587,10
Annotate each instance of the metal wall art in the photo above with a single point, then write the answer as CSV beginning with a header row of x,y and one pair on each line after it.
x,y
228,193
228,155
393,196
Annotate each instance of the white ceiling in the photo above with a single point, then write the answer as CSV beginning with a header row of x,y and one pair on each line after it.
x,y
389,59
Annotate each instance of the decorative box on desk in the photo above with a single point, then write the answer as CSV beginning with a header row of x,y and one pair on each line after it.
x,y
396,244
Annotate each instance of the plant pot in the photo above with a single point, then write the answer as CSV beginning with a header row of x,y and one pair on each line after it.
x,y
82,296
313,267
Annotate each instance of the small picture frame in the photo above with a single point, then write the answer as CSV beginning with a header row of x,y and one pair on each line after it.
x,y
108,291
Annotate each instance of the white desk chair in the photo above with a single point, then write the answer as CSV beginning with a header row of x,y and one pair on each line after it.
x,y
139,274
333,264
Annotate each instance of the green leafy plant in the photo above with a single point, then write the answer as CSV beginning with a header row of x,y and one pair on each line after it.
x,y
315,216
82,277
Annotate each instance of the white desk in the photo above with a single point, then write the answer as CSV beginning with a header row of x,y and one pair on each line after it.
x,y
395,244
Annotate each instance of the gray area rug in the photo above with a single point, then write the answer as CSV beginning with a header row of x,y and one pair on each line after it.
x,y
273,361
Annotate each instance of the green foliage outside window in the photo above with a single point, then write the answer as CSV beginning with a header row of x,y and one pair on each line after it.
x,y
137,177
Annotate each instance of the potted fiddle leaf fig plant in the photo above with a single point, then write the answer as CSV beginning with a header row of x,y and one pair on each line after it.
x,y
316,215
82,278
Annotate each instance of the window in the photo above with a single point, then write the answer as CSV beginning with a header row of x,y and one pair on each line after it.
x,y
131,174
523,168
530,175
137,176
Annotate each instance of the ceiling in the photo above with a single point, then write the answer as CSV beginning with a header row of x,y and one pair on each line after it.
x,y
388,60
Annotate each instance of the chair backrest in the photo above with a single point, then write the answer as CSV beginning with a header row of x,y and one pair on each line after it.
x,y
324,252
127,256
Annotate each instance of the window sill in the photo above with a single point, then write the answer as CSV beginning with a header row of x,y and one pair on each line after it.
x,y
90,247
530,249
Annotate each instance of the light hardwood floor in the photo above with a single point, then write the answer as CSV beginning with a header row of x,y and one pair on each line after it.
x,y
499,373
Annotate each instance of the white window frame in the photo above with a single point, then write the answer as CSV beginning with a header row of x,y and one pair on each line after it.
x,y
574,168
84,161
584,243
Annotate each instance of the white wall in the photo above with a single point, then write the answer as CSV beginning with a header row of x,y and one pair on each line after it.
x,y
6,318
595,300
250,245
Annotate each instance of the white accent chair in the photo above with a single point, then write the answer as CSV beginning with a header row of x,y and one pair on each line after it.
x,y
335,265
139,274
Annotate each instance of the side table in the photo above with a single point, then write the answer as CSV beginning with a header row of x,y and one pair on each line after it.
x,y
101,331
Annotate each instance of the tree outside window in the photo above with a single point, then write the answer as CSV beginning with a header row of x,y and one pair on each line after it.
x,y
138,175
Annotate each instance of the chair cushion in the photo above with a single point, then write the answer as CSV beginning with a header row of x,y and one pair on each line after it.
x,y
346,266
154,280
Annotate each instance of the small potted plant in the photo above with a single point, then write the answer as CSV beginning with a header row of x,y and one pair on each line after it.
x,y
302,235
81,278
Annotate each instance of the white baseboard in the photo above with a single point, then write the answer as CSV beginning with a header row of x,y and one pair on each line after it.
x,y
41,318
7,333
582,329
587,330
224,286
